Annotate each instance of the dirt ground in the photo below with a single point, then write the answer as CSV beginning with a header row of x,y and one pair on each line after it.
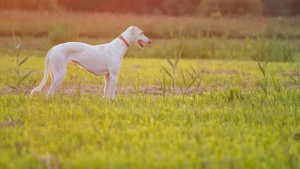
x,y
99,90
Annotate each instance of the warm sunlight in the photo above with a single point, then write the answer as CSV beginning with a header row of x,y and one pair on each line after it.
x,y
149,84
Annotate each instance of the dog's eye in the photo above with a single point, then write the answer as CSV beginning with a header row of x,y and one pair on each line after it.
x,y
142,33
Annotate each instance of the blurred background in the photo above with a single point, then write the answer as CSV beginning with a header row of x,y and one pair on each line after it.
x,y
163,7
210,29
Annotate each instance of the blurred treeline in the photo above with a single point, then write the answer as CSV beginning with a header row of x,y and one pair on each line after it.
x,y
168,7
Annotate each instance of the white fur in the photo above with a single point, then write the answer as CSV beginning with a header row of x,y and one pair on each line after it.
x,y
99,60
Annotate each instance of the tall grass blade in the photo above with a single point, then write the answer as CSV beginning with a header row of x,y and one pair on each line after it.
x,y
23,61
181,90
294,79
199,82
254,46
16,70
12,87
276,85
178,58
172,65
267,61
170,90
12,47
194,80
24,77
296,71
19,44
259,64
270,45
167,72
260,47
14,37
183,78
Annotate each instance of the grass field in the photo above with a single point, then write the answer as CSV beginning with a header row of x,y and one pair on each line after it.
x,y
202,47
208,131
232,124
221,111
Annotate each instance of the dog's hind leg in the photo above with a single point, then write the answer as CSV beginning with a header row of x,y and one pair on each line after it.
x,y
57,68
57,79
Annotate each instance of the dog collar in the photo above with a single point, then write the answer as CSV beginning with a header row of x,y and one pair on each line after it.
x,y
122,38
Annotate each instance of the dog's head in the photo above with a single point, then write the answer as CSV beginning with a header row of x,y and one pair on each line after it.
x,y
138,37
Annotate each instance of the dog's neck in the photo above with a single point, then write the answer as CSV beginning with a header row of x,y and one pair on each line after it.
x,y
123,39
122,43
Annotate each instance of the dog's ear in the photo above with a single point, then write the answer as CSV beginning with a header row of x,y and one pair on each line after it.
x,y
134,30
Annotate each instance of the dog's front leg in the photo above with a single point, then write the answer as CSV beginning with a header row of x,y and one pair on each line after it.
x,y
107,86
113,83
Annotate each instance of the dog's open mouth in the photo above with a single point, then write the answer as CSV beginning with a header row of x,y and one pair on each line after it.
x,y
141,43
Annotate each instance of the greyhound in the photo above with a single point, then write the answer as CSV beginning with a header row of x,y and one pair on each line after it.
x,y
104,59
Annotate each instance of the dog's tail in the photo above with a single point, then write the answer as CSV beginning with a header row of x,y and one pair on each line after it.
x,y
45,74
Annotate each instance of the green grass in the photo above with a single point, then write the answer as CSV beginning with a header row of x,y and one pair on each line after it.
x,y
208,131
200,47
216,73
233,124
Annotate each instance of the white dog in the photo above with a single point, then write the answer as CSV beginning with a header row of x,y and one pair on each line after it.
x,y
99,60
